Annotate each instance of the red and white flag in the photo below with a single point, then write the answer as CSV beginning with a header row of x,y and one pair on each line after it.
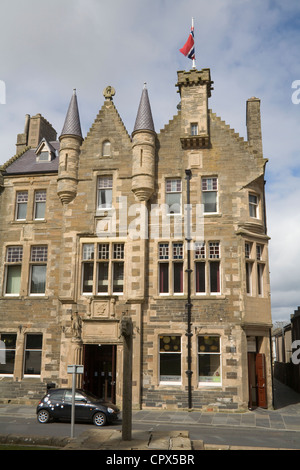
x,y
188,50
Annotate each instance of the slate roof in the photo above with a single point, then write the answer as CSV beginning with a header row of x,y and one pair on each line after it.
x,y
144,120
27,163
72,122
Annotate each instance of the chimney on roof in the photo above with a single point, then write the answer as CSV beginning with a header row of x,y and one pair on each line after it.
x,y
36,127
253,123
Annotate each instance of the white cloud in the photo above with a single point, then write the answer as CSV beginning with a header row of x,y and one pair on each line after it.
x,y
251,47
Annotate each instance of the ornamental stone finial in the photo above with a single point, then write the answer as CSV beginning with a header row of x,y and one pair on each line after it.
x,y
109,92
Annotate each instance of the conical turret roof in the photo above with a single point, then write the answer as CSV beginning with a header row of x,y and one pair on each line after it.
x,y
72,122
144,120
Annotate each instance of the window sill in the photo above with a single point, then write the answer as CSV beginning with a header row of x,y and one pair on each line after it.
x,y
204,386
170,384
25,221
212,214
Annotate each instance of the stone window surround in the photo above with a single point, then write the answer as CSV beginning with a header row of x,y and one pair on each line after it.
x,y
255,267
208,256
96,260
31,204
19,362
26,264
207,331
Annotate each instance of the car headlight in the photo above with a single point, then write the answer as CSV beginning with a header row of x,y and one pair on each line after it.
x,y
110,410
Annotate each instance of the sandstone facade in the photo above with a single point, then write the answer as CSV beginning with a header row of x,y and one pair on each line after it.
x,y
104,236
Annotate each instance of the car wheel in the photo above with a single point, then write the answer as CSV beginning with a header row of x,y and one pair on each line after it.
x,y
99,419
43,416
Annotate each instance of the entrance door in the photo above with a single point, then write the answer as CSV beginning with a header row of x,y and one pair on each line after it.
x,y
257,380
260,366
100,370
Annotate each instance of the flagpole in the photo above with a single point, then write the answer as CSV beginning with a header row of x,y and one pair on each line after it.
x,y
194,60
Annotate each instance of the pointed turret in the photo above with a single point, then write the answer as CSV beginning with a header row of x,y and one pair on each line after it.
x,y
72,122
143,150
70,142
144,120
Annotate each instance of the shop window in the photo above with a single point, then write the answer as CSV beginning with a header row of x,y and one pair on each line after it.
x,y
170,360
209,360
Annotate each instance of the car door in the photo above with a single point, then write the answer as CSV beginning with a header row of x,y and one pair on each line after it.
x,y
56,403
81,409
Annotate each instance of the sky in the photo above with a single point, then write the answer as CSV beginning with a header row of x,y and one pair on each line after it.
x,y
47,48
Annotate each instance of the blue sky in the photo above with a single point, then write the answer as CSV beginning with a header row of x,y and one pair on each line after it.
x,y
251,46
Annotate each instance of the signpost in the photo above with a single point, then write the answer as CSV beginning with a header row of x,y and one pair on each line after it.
x,y
74,369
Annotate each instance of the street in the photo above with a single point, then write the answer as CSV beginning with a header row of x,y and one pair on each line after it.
x,y
210,434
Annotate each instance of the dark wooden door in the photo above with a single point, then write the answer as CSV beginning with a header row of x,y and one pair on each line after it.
x,y
260,368
100,371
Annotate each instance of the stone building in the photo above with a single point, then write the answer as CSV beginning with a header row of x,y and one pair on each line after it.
x,y
165,228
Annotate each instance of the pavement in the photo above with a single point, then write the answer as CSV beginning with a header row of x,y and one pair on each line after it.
x,y
284,417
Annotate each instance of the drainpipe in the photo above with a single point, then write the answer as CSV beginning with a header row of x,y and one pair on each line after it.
x,y
189,333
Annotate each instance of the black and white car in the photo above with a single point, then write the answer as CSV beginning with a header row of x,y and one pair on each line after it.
x,y
57,405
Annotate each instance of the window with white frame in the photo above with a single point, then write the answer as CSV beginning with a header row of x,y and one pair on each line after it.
x,y
253,206
13,268
7,353
207,267
260,277
105,192
33,354
39,204
171,268
38,269
103,268
194,128
200,267
210,195
21,205
173,195
209,360
170,359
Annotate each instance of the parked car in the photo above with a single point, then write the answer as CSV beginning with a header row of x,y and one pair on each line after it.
x,y
57,405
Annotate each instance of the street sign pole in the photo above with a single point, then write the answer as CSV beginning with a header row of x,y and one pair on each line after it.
x,y
74,369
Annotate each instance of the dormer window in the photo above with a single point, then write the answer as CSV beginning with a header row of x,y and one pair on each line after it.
x,y
45,152
43,156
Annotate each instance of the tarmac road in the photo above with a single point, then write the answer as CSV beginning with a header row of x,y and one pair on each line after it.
x,y
277,429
